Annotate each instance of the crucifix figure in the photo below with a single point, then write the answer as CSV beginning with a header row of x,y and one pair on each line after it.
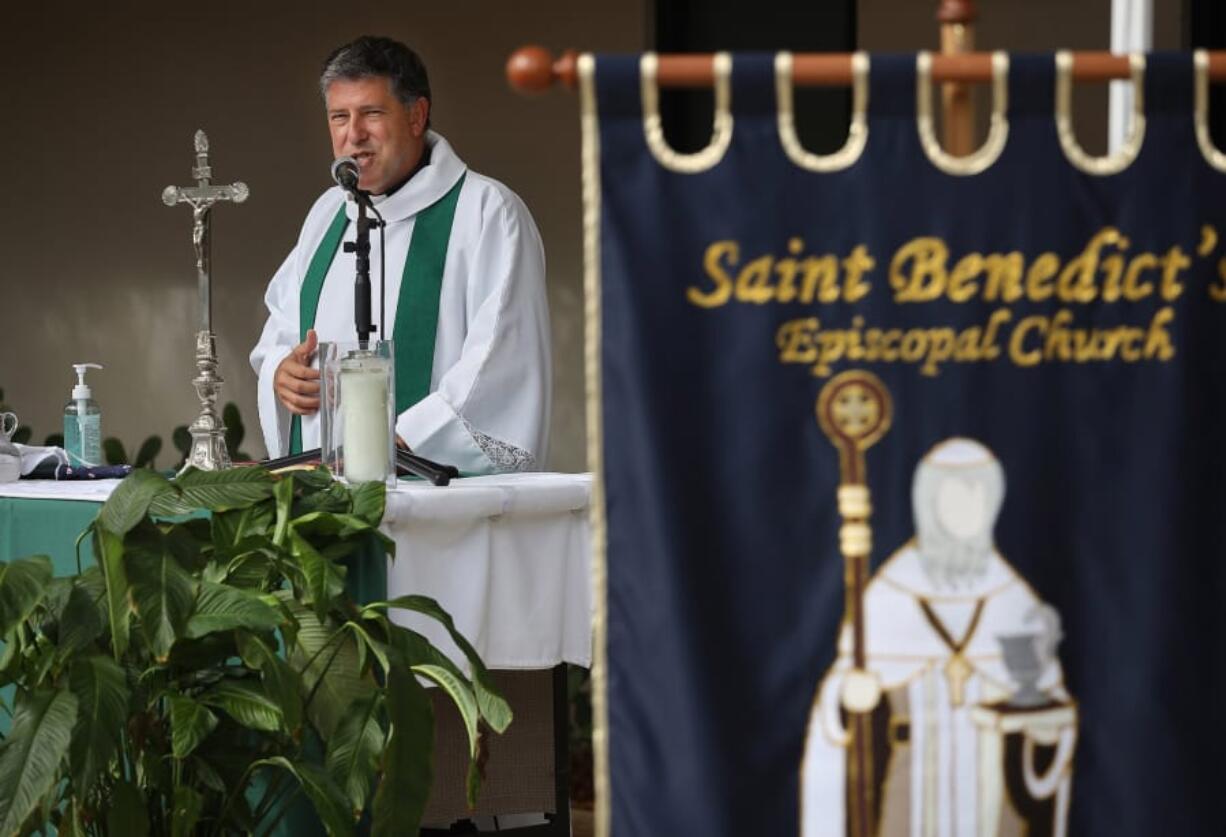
x,y
208,450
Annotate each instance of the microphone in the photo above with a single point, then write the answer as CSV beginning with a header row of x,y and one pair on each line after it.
x,y
345,173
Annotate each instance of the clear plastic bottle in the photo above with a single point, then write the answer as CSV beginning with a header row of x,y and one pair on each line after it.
x,y
83,422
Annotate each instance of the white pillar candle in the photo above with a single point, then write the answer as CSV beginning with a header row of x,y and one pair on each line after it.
x,y
365,388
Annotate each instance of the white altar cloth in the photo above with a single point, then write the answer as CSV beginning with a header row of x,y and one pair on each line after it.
x,y
506,555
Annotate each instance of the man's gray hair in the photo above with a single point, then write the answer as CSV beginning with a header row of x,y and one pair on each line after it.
x,y
374,56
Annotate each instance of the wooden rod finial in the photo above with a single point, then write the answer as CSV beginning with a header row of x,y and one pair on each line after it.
x,y
957,11
532,69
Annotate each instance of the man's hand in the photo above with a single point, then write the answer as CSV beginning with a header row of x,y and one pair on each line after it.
x,y
295,382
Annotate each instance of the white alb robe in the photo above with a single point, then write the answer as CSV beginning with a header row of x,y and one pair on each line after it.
x,y
488,407
905,652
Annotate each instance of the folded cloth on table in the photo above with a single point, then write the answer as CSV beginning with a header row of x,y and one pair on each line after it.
x,y
92,472
51,463
34,455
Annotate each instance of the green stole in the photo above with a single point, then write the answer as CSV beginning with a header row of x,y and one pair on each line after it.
x,y
416,310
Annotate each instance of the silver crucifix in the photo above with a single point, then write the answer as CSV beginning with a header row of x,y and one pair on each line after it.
x,y
208,451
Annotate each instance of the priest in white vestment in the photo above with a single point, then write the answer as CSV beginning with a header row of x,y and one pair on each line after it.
x,y
934,613
488,399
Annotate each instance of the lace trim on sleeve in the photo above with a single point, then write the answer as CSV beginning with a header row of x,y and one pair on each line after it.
x,y
504,456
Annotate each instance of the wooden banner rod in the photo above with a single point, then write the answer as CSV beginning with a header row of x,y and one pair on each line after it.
x,y
533,69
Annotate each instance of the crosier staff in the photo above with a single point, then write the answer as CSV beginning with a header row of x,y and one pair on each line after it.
x,y
854,411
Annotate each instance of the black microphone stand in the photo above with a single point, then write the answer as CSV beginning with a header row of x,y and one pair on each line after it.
x,y
360,246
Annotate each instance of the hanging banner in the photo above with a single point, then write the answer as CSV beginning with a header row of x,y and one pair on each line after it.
x,y
909,514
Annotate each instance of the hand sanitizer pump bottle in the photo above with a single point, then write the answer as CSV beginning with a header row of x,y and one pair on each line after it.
x,y
83,422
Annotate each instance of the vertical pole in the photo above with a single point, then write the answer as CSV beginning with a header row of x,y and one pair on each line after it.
x,y
957,19
559,823
1132,30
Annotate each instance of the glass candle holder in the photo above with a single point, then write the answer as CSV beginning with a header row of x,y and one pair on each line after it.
x,y
357,407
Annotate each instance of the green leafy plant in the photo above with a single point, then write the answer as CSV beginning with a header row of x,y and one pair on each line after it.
x,y
210,666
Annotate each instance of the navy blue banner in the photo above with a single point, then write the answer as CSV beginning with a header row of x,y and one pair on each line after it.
x,y
984,594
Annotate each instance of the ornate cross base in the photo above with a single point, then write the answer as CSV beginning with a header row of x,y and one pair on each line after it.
x,y
208,451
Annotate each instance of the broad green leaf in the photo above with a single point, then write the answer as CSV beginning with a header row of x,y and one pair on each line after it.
x,y
330,523
94,583
102,696
369,499
187,807
462,696
289,625
40,656
330,804
214,490
126,814
222,608
10,663
23,584
227,527
190,723
407,760
199,528
108,550
281,682
250,569
80,623
353,752
186,548
324,579
493,706
429,662
30,760
213,571
162,595
333,497
365,640
327,659
131,500
315,479
418,651
55,598
354,532
245,702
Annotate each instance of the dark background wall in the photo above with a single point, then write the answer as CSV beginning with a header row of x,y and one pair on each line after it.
x,y
101,102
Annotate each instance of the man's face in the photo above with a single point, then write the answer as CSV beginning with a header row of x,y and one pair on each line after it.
x,y
370,124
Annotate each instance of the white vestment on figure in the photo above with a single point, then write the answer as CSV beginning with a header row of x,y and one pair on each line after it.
x,y
488,407
910,657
